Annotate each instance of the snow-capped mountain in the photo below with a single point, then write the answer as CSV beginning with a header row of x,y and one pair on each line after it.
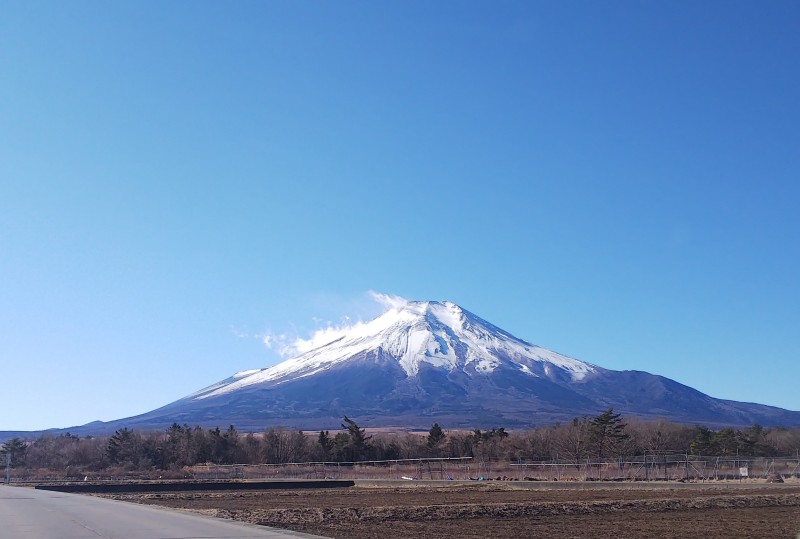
x,y
438,334
429,361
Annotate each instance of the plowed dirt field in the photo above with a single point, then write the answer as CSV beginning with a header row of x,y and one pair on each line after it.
x,y
509,510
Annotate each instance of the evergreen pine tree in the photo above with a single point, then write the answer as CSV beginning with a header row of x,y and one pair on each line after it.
x,y
435,436
16,448
326,443
703,443
606,431
358,442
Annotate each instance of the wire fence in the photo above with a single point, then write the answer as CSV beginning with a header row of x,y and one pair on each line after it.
x,y
400,469
664,467
650,467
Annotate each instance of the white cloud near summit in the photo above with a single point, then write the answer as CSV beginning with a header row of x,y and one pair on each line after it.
x,y
388,301
287,346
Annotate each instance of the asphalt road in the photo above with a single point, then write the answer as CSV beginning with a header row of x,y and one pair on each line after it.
x,y
26,513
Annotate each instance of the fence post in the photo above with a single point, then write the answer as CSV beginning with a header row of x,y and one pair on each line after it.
x,y
686,468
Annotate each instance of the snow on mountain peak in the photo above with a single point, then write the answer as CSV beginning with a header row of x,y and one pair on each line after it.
x,y
438,333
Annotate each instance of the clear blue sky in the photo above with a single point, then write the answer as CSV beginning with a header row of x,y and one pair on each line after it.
x,y
616,181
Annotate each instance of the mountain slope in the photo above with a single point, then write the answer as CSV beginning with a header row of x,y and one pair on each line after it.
x,y
438,334
434,361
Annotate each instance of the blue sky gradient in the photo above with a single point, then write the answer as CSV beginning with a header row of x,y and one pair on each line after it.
x,y
615,181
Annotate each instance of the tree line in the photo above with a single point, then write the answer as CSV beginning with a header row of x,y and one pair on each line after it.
x,y
606,435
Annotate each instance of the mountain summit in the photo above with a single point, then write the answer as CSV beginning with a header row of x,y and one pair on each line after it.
x,y
430,361
419,335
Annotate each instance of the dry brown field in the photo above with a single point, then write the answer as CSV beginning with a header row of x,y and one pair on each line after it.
x,y
514,509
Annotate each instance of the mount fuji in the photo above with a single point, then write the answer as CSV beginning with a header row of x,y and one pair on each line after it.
x,y
429,361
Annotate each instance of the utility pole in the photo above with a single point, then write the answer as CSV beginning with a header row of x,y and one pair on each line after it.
x,y
8,467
